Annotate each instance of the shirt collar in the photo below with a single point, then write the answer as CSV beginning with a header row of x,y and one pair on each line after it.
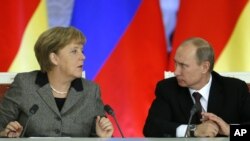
x,y
204,91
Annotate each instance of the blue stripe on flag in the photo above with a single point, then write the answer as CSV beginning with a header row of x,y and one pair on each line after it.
x,y
103,22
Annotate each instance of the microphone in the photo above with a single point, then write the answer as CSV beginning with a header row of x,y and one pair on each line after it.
x,y
32,111
194,109
110,111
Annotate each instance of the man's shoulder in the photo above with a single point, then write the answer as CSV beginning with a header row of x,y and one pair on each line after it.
x,y
169,83
226,79
170,80
228,82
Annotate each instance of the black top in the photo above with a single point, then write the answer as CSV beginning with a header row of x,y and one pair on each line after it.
x,y
60,102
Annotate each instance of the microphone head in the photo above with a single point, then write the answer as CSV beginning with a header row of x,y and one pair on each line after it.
x,y
109,110
33,109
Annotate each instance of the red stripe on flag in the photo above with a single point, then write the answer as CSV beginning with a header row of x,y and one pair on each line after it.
x,y
211,19
14,16
129,76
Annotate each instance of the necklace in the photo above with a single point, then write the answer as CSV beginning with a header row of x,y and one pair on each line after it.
x,y
59,92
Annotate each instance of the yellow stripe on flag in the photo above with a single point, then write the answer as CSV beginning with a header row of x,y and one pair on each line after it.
x,y
25,59
235,56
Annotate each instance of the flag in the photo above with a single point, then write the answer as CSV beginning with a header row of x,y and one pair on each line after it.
x,y
225,24
125,54
22,22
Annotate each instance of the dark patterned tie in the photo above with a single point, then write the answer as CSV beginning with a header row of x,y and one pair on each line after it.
x,y
197,96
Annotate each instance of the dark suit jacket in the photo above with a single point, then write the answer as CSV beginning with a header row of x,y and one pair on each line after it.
x,y
76,118
228,99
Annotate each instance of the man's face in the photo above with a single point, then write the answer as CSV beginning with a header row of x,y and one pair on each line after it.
x,y
187,70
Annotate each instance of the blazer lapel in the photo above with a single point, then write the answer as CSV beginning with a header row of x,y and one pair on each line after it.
x,y
46,94
185,102
215,98
72,99
75,93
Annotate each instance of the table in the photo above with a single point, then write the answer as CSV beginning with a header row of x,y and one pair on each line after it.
x,y
112,139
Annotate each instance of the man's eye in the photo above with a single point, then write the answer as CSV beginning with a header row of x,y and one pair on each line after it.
x,y
184,65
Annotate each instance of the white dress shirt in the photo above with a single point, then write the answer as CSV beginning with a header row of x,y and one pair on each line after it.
x,y
204,91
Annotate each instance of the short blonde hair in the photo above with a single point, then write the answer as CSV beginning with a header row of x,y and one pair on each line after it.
x,y
54,40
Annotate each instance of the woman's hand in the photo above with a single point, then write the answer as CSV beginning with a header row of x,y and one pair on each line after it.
x,y
12,130
207,128
104,127
224,128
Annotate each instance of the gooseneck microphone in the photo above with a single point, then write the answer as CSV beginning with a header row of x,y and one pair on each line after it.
x,y
110,111
32,111
194,109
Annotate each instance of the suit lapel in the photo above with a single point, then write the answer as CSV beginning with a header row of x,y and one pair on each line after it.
x,y
72,99
185,102
215,98
46,94
75,93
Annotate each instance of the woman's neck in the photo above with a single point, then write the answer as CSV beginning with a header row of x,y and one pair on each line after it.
x,y
58,83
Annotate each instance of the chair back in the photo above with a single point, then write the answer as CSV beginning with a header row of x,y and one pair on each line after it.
x,y
6,78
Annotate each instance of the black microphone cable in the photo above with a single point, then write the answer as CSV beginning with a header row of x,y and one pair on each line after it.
x,y
192,112
32,111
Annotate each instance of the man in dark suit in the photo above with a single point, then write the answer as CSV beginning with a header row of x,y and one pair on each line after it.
x,y
223,100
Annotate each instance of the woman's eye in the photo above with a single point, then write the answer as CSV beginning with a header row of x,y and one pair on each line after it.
x,y
74,51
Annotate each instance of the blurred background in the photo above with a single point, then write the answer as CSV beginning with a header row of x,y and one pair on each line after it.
x,y
130,43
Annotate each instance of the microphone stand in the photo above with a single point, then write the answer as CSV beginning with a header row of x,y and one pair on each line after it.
x,y
110,111
118,126
32,111
25,128
192,112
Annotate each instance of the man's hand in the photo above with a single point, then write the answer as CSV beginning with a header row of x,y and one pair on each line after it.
x,y
12,130
224,128
104,127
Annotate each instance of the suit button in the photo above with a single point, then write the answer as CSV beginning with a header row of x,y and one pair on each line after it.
x,y
57,131
58,118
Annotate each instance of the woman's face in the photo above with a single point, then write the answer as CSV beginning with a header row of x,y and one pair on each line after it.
x,y
69,60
